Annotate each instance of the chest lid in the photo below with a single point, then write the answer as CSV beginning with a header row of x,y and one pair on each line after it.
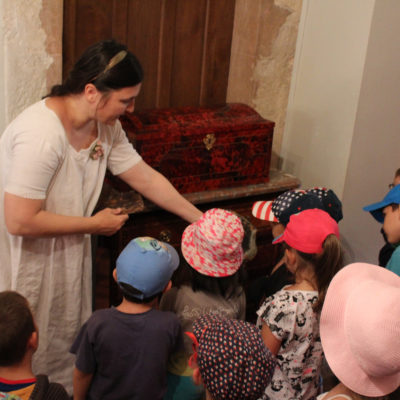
x,y
203,148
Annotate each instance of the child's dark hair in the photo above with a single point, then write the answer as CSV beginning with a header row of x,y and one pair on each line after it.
x,y
326,265
129,292
94,67
225,286
16,327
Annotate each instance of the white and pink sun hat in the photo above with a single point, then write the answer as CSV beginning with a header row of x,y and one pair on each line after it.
x,y
213,244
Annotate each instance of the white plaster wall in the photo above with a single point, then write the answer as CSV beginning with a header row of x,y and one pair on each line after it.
x,y
263,47
25,59
2,80
329,62
374,153
342,128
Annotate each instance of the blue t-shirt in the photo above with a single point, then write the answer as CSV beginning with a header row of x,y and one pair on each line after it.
x,y
394,262
127,353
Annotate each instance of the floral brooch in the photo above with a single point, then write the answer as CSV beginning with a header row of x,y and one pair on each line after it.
x,y
96,151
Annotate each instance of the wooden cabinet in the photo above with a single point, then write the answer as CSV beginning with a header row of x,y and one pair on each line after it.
x,y
168,227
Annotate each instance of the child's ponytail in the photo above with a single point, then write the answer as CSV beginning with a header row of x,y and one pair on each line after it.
x,y
326,264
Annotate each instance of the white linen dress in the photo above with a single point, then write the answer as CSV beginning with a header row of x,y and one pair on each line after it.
x,y
54,273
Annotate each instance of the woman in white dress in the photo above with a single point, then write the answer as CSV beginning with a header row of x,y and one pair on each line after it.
x,y
53,158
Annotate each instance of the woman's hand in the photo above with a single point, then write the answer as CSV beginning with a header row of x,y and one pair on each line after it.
x,y
26,217
109,220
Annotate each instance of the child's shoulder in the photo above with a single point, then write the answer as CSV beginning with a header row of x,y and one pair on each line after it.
x,y
394,261
290,299
164,316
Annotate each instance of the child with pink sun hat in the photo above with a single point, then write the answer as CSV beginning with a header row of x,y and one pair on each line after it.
x,y
360,333
209,282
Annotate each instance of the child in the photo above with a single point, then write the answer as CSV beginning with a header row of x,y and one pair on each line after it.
x,y
289,318
278,213
360,332
122,352
18,343
230,359
212,248
387,212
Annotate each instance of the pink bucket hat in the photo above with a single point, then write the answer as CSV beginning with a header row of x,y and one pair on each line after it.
x,y
360,329
213,244
308,230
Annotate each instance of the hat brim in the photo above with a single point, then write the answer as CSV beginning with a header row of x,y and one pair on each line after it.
x,y
279,239
263,210
204,264
376,210
334,338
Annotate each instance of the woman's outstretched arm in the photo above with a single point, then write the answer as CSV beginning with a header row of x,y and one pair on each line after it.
x,y
154,186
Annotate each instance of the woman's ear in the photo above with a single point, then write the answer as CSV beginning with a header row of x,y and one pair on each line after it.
x,y
114,274
91,93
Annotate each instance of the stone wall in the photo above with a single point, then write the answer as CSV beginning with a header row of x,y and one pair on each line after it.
x,y
263,48
31,52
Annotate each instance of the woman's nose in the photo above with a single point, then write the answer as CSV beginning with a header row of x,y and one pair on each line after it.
x,y
131,106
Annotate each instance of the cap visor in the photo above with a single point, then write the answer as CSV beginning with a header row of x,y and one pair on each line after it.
x,y
376,210
278,239
263,210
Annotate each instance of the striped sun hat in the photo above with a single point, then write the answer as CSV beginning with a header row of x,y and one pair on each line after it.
x,y
213,244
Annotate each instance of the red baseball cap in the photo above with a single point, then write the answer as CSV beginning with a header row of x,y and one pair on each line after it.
x,y
307,231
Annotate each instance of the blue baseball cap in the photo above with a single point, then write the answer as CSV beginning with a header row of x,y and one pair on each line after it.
x,y
393,197
147,265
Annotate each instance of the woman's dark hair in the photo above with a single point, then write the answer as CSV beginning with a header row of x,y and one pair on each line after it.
x,y
326,265
16,327
107,64
226,286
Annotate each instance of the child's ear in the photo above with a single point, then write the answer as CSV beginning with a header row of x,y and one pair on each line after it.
x,y
291,258
114,274
33,341
197,376
169,285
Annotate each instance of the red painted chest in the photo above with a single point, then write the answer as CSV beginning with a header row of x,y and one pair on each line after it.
x,y
204,148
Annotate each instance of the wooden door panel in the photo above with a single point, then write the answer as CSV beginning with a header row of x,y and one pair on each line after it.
x,y
184,45
218,41
188,53
143,39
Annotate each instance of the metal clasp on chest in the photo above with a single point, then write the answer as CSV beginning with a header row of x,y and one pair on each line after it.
x,y
209,141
